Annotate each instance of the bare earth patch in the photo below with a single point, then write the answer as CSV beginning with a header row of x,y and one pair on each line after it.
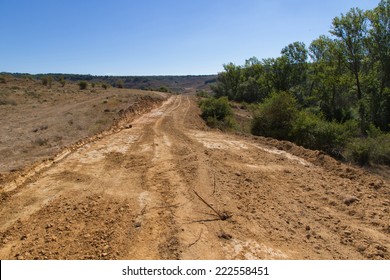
x,y
158,190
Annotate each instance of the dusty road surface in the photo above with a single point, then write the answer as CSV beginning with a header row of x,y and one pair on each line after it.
x,y
169,188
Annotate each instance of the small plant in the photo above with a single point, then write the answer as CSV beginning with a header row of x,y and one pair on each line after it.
x,y
47,81
41,141
3,80
62,81
104,86
83,85
163,89
203,94
119,84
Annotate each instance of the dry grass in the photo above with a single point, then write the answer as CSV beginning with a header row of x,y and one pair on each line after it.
x,y
37,121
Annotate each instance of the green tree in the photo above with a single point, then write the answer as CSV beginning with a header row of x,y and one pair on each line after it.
x,y
378,43
329,79
351,31
228,82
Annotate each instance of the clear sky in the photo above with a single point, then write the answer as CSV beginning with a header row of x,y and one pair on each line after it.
x,y
156,37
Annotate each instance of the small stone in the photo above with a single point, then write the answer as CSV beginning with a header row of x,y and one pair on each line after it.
x,y
307,227
23,237
350,199
137,224
224,235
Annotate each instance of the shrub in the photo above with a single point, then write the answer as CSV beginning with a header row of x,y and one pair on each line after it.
x,y
367,150
47,81
104,86
217,112
275,116
83,85
119,83
3,80
163,89
203,94
313,132
359,150
62,81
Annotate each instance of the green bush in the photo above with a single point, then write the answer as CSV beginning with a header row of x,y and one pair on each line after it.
x,y
47,81
359,150
313,132
203,94
217,112
3,80
275,116
104,86
62,81
83,85
119,84
163,89
365,151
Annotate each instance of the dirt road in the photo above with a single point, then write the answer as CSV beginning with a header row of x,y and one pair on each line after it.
x,y
142,193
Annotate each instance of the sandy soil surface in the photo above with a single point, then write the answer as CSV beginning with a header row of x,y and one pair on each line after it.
x,y
169,188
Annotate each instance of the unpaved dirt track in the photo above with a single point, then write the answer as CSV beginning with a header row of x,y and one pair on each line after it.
x,y
130,195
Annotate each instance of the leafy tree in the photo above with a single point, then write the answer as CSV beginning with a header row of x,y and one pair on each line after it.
x,y
228,82
378,43
351,31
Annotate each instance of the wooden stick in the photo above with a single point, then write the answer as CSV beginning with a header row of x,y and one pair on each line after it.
x,y
216,212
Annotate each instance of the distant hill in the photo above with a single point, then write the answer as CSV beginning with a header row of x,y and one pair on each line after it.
x,y
178,84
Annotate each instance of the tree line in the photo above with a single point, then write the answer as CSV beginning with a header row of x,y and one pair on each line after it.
x,y
342,78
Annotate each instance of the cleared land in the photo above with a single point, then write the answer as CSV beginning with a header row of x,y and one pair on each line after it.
x,y
169,188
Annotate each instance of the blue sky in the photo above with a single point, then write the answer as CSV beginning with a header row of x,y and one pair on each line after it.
x,y
156,37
